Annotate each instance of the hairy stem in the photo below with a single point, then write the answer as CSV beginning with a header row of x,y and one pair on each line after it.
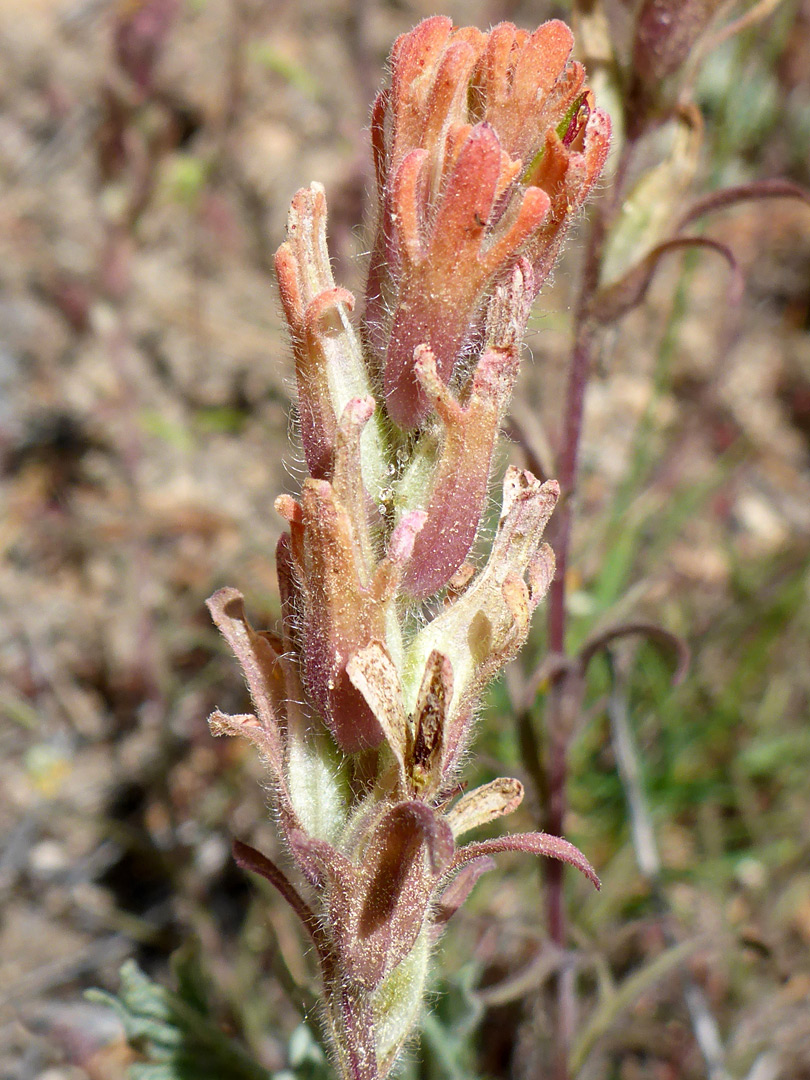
x,y
354,1024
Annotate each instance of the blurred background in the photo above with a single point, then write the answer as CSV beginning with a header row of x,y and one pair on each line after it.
x,y
148,153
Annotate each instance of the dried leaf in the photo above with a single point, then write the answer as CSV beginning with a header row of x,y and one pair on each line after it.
x,y
259,663
429,720
374,674
485,804
397,883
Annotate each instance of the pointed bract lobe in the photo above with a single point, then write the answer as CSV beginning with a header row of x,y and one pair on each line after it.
x,y
552,847
445,266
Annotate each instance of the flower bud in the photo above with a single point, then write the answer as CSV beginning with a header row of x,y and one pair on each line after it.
x,y
485,148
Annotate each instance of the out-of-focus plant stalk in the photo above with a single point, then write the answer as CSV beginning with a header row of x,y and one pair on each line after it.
x,y
566,689
635,223
654,57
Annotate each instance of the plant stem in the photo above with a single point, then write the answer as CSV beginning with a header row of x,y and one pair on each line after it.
x,y
567,689
356,1045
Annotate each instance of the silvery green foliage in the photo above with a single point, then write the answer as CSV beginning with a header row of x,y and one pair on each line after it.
x,y
175,1032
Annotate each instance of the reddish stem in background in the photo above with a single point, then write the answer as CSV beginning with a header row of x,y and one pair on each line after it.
x,y
567,688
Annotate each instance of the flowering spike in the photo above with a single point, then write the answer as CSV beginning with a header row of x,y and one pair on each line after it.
x,y
485,147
